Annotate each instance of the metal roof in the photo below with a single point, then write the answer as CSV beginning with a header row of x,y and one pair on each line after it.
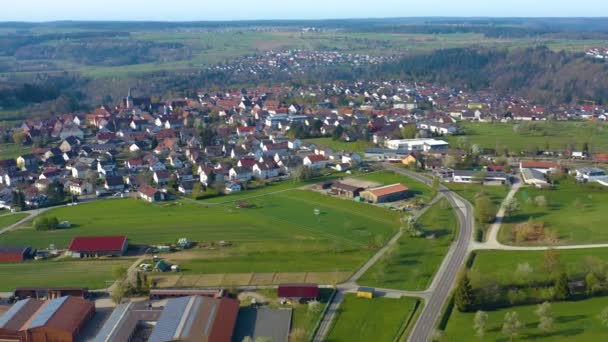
x,y
106,333
12,312
170,319
97,243
47,312
13,249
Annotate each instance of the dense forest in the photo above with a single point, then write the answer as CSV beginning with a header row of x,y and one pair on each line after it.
x,y
539,74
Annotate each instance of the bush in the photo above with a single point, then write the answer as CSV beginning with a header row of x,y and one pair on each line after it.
x,y
46,223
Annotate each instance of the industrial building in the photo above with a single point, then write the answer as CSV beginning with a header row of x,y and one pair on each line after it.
x,y
32,320
389,193
96,246
50,292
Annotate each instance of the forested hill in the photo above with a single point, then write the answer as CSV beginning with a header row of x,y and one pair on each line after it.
x,y
538,73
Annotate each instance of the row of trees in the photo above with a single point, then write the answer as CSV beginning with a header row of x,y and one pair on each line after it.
x,y
512,325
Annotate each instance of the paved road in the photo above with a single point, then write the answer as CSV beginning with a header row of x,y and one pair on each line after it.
x,y
492,236
446,275
351,285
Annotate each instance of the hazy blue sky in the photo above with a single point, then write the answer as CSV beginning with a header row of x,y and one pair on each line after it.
x,y
183,10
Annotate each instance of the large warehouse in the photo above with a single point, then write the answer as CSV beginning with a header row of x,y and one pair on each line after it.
x,y
389,193
96,246
32,320
15,253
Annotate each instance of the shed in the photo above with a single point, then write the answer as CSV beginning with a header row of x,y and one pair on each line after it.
x,y
298,291
15,253
162,266
365,292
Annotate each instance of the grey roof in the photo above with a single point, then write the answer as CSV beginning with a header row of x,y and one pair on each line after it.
x,y
263,322
488,174
178,317
113,324
47,312
13,249
12,312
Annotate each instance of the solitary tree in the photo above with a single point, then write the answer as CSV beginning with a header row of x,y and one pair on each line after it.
x,y
561,289
604,317
592,284
545,317
479,323
512,206
511,325
118,293
485,211
464,296
552,260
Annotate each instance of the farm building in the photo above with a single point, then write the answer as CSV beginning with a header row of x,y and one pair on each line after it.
x,y
50,292
15,253
540,166
389,193
345,190
123,322
59,319
150,194
96,246
169,293
298,291
365,292
274,324
468,176
534,177
196,319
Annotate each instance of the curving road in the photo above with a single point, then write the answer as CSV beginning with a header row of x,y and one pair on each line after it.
x,y
445,277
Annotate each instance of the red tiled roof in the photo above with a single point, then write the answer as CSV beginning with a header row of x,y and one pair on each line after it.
x,y
316,158
147,190
389,189
97,243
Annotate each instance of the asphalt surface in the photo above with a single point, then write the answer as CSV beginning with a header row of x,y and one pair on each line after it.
x,y
444,280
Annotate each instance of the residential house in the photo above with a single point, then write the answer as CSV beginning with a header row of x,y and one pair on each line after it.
x,y
161,176
240,173
114,184
315,161
150,194
265,170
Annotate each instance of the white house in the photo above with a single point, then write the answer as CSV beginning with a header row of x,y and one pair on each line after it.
x,y
265,170
315,161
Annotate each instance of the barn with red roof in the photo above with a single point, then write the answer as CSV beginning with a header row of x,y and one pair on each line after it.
x,y
96,246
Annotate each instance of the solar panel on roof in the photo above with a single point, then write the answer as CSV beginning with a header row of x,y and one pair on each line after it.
x,y
47,312
4,319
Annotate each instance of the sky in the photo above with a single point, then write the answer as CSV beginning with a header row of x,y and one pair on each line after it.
x,y
194,10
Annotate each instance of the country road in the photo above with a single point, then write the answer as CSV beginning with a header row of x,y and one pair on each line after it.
x,y
445,277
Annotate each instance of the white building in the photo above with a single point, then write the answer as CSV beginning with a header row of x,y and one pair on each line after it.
x,y
423,145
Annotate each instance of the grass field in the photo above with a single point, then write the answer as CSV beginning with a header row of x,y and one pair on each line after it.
x,y
378,319
356,146
12,151
497,193
7,220
575,211
416,259
555,136
81,273
281,234
499,267
573,321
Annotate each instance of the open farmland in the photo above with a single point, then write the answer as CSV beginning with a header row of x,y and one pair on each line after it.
x,y
498,267
416,260
280,233
573,321
516,137
56,273
356,320
7,220
575,211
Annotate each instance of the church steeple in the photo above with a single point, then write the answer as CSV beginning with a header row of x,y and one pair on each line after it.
x,y
129,100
